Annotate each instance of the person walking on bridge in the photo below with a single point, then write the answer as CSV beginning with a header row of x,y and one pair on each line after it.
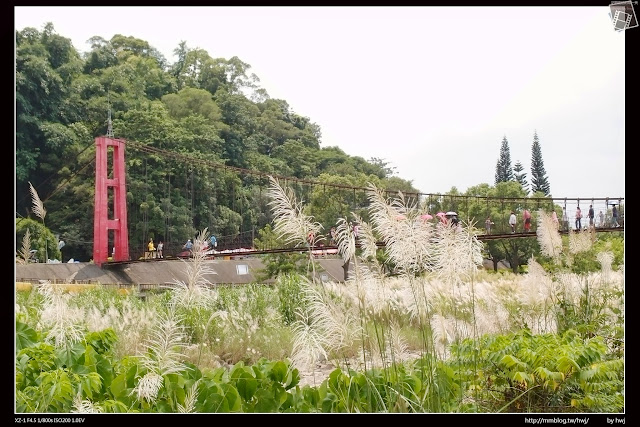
x,y
512,222
151,248
614,219
578,219
487,224
526,215
591,216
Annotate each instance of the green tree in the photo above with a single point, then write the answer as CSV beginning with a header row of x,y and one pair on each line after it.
x,y
504,171
539,181
46,64
521,176
516,251
387,170
192,101
45,242
278,264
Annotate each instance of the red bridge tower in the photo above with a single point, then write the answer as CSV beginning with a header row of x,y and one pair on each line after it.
x,y
101,221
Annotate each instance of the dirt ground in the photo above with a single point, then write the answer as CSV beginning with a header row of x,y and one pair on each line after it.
x,y
315,377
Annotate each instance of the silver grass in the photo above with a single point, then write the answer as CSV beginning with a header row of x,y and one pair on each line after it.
x,y
190,399
65,323
491,317
373,294
85,406
455,302
412,296
37,205
25,251
570,287
397,344
339,324
507,292
309,343
368,293
240,319
346,240
442,335
536,291
368,280
41,212
457,253
321,328
537,280
290,221
196,291
579,242
489,314
574,287
148,387
368,241
162,356
605,258
548,236
392,348
164,346
407,238
131,323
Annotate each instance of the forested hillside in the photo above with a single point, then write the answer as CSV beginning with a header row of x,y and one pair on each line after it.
x,y
194,130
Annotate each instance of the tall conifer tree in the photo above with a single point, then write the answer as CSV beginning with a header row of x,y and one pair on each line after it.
x,y
504,171
521,176
539,181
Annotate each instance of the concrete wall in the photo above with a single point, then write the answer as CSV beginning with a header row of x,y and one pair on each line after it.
x,y
160,272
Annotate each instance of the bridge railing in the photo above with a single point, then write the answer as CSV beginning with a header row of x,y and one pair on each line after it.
x,y
465,206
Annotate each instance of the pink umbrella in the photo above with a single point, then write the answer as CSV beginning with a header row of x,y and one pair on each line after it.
x,y
426,217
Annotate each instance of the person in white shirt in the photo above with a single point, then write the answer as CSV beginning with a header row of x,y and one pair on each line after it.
x,y
512,221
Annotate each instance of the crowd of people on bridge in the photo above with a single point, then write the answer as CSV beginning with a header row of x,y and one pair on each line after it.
x,y
449,218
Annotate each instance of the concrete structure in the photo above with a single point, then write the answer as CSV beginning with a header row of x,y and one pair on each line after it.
x,y
160,272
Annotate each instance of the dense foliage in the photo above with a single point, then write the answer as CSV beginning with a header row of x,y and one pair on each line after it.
x,y
201,136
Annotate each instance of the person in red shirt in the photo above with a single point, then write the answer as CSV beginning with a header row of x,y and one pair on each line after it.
x,y
526,216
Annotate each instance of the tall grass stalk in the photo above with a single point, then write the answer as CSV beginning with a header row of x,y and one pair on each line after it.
x,y
25,251
41,212
163,356
65,324
196,291
290,221
548,236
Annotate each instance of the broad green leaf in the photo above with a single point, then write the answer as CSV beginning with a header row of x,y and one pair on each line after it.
x,y
119,386
246,386
25,336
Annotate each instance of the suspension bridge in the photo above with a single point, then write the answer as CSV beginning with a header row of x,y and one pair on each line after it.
x,y
111,220
470,209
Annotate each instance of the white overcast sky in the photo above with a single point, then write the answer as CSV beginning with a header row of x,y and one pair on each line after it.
x,y
431,90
